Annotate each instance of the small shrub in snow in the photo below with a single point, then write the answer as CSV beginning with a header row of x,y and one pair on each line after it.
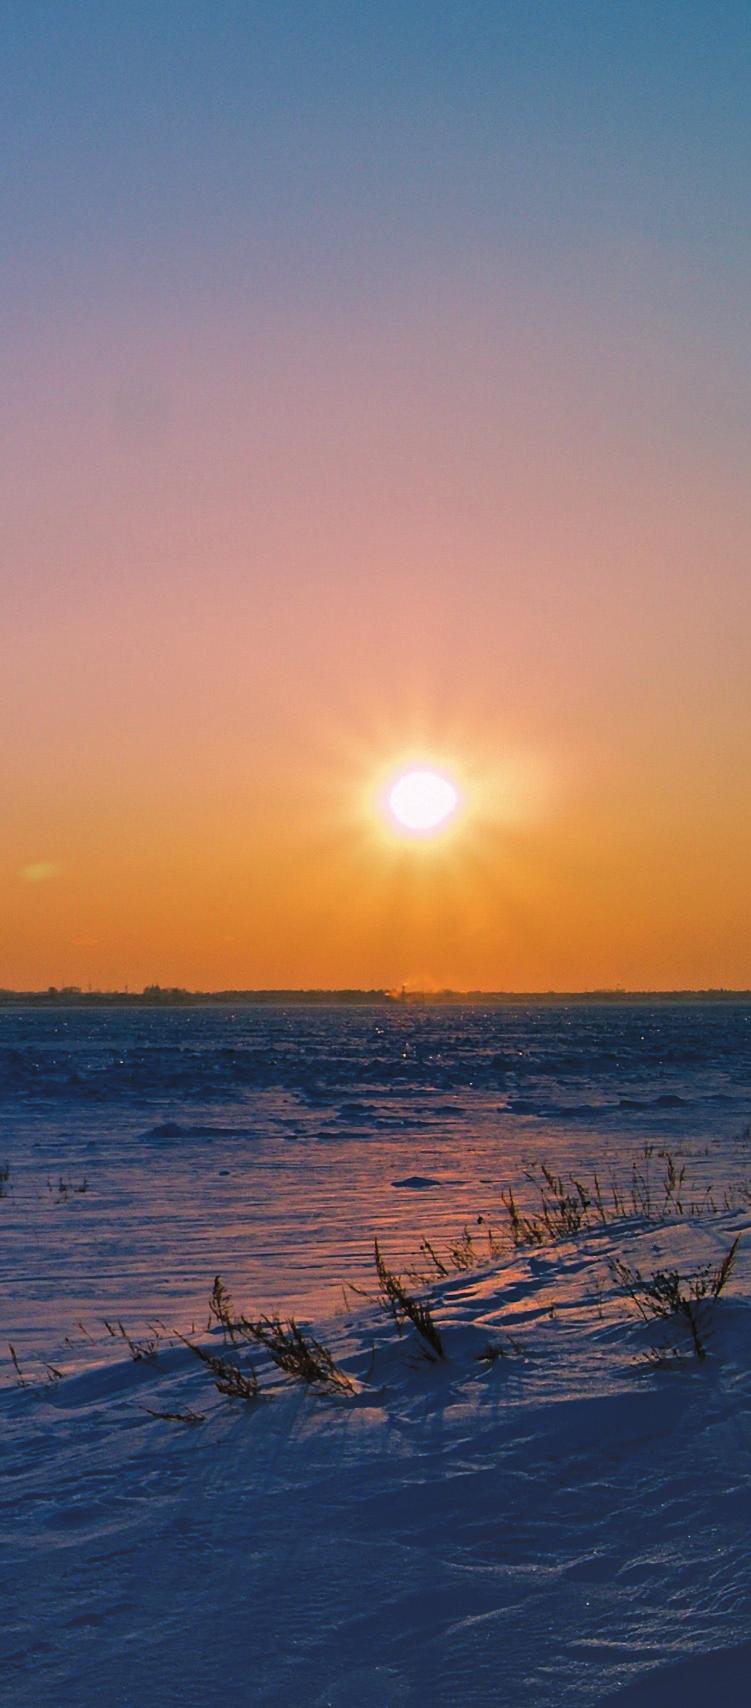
x,y
564,1208
229,1379
298,1354
509,1347
667,1294
403,1306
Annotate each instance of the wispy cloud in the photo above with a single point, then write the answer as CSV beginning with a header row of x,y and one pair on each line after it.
x,y
40,870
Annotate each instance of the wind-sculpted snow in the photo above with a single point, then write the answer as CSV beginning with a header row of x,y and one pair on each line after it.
x,y
540,1516
551,1514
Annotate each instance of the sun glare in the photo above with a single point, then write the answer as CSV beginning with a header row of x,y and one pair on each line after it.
x,y
422,800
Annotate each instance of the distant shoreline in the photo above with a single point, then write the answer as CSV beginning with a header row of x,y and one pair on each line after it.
x,y
156,996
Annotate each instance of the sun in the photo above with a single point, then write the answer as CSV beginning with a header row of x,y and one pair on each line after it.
x,y
421,801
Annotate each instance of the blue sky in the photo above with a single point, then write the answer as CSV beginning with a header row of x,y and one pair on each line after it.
x,y
246,141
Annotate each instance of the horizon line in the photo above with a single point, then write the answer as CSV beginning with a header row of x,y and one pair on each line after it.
x,y
156,994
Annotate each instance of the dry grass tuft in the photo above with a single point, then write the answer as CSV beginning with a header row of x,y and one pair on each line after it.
x,y
462,1254
229,1379
429,1251
667,1294
140,1350
222,1310
565,1206
297,1353
52,1374
509,1347
65,1189
403,1306
175,1416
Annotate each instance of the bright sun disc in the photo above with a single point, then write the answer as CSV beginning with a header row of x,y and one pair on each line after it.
x,y
421,800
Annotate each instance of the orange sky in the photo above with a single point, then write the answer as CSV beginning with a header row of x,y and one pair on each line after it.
x,y
480,502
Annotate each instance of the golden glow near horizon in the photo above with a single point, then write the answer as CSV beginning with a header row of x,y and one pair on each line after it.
x,y
422,801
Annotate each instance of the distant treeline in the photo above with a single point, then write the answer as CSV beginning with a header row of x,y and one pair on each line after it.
x,y
172,996
160,996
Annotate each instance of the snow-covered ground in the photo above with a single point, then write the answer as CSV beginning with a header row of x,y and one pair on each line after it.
x,y
543,1516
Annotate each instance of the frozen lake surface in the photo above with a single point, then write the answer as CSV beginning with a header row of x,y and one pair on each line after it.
x,y
265,1143
561,1523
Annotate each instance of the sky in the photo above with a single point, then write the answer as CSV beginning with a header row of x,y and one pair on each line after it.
x,y
376,384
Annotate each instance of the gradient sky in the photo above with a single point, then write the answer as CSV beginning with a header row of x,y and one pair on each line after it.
x,y
376,383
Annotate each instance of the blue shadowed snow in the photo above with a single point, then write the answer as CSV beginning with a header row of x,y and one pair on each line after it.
x,y
541,1517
